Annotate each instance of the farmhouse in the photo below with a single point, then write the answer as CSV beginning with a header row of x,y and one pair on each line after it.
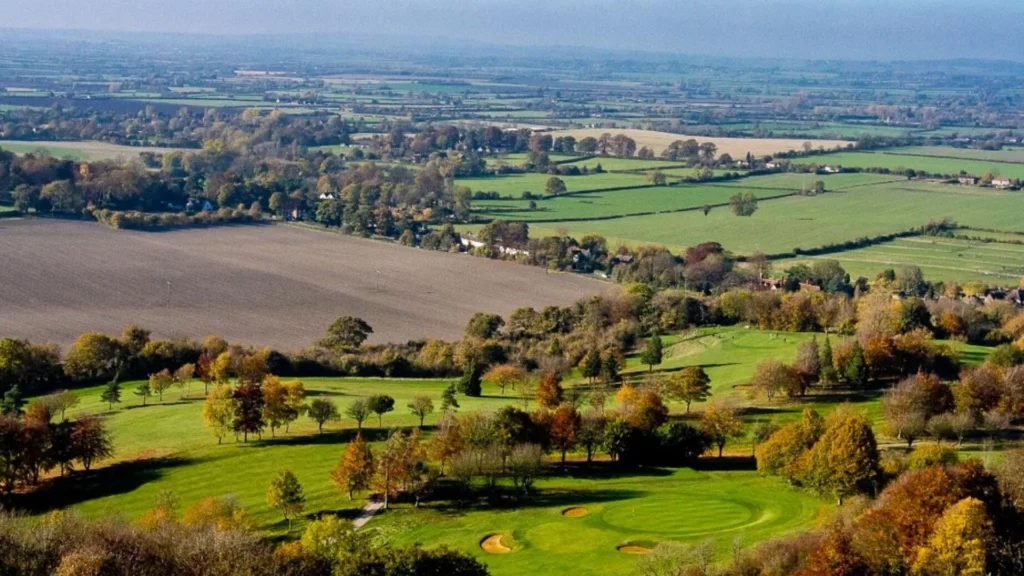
x,y
967,180
832,169
1002,183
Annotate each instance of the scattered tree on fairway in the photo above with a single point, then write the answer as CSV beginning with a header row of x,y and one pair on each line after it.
x,y
160,382
111,394
355,468
565,427
720,423
61,401
285,494
549,392
380,404
248,410
321,411
691,384
469,383
449,403
183,378
144,391
652,352
219,411
845,459
505,375
90,441
421,407
358,410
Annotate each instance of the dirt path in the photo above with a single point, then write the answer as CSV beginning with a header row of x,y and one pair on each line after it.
x,y
369,511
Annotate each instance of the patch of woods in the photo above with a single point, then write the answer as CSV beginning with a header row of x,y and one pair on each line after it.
x,y
213,538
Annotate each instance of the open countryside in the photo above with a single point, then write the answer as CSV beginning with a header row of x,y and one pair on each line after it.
x,y
386,291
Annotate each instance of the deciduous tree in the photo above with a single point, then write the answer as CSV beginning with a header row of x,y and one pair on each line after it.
x,y
565,427
720,423
285,494
358,410
354,471
380,404
322,411
219,411
691,384
421,407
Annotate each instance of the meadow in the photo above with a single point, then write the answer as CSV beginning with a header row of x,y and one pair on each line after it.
x,y
948,259
515,184
807,222
88,150
664,198
895,159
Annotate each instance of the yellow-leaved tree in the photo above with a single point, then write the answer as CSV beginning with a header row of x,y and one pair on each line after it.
x,y
218,411
958,542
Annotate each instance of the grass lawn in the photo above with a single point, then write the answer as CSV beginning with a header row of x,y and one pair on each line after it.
x,y
808,222
664,199
165,446
615,203
55,151
1015,156
896,160
641,508
946,259
515,184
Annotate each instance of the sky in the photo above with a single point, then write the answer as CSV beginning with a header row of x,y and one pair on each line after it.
x,y
805,29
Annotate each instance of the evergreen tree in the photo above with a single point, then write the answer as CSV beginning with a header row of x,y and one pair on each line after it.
x,y
829,375
856,369
12,401
652,353
448,399
111,394
610,368
469,384
591,365
143,390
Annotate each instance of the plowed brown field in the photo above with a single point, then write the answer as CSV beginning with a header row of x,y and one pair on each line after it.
x,y
269,285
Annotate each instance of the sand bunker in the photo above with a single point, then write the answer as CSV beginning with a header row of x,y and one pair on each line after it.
x,y
575,512
636,547
492,545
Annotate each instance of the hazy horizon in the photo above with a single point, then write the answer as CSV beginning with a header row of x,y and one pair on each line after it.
x,y
804,29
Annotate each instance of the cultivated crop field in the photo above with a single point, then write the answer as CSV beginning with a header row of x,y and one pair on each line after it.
x,y
807,222
80,150
939,258
735,147
897,160
269,285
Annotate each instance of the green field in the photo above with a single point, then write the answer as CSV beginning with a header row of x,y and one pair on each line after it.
x,y
808,222
663,198
1012,155
894,160
55,151
165,446
642,508
515,184
616,203
939,258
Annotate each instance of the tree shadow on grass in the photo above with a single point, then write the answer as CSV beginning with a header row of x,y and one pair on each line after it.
x,y
80,486
603,471
330,436
726,464
504,498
